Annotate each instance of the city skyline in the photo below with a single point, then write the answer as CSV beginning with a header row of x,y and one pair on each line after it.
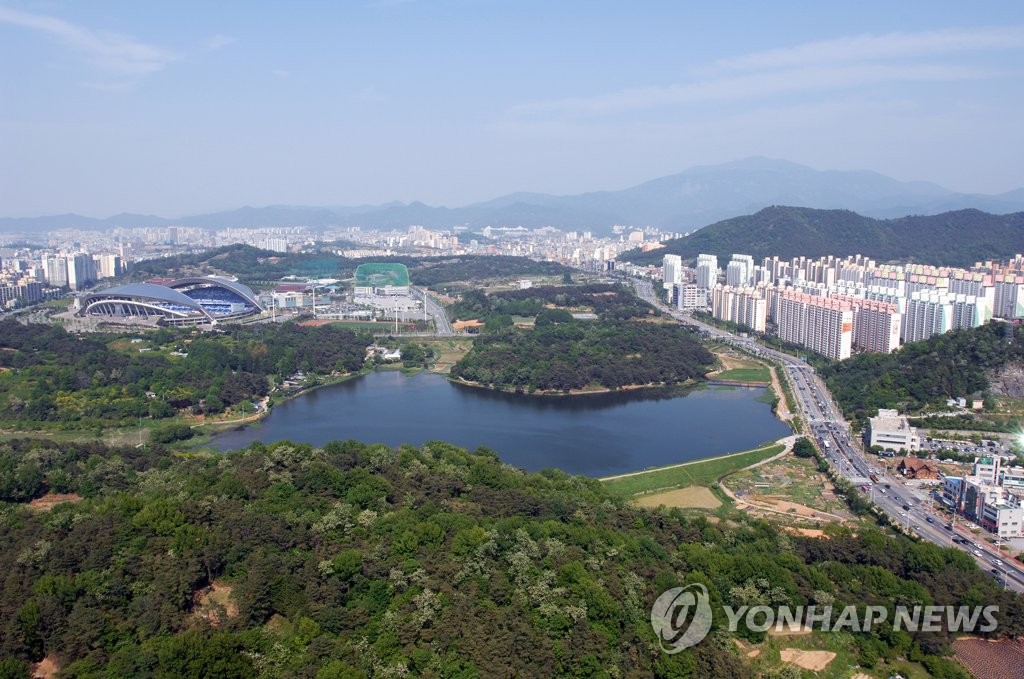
x,y
189,109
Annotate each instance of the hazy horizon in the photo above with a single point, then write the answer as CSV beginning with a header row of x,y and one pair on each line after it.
x,y
189,108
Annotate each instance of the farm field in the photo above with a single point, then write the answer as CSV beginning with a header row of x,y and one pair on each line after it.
x,y
789,485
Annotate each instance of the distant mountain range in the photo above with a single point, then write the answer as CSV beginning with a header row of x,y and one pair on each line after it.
x,y
957,238
681,202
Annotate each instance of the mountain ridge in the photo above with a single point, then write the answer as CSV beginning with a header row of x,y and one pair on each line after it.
x,y
681,202
955,238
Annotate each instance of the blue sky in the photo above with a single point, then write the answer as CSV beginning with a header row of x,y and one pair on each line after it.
x,y
185,107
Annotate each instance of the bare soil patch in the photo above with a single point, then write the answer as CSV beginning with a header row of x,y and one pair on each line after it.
x,y
690,497
214,604
806,532
781,409
47,668
784,505
51,500
815,661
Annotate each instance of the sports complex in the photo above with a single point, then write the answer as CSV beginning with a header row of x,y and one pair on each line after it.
x,y
198,300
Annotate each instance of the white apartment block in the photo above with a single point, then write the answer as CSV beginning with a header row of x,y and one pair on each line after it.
x,y
56,271
689,296
672,270
707,271
740,271
108,266
1008,295
744,305
81,271
935,312
973,284
928,313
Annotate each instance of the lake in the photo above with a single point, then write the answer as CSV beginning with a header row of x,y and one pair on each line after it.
x,y
595,434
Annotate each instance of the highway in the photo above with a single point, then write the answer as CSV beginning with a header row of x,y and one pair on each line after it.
x,y
905,505
436,311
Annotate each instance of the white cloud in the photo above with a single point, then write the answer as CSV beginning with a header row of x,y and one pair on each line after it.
x,y
106,50
877,47
829,65
215,42
280,72
751,86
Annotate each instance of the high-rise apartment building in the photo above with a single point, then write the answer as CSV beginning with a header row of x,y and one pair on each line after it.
x,y
56,271
928,313
672,270
1008,296
81,271
740,271
822,324
744,305
707,271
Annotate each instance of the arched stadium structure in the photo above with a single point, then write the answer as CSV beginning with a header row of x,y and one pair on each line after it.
x,y
186,301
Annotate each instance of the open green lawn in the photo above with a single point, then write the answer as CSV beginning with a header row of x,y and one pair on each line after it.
x,y
697,473
760,374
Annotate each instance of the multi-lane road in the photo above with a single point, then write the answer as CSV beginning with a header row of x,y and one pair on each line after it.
x,y
907,506
441,324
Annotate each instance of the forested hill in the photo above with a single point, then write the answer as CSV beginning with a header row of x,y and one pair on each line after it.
x,y
941,367
953,238
364,561
624,346
261,267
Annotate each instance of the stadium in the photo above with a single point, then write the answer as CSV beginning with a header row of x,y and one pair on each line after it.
x,y
198,300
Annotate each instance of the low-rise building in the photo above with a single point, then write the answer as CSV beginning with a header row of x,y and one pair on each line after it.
x,y
1005,517
891,431
917,469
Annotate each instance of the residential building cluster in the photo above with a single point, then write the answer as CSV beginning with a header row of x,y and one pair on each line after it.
x,y
992,496
28,277
840,306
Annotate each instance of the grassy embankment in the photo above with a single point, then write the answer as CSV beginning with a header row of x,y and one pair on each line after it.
x,y
758,374
697,473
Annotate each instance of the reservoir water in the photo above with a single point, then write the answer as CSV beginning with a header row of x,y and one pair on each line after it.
x,y
595,435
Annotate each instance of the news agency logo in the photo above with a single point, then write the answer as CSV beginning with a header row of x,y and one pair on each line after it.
x,y
681,617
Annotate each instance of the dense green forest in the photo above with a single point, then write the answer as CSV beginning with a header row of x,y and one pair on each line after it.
x,y
261,267
572,354
958,238
608,301
357,561
50,375
560,353
921,373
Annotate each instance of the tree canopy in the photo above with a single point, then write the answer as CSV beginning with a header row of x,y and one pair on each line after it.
x,y
361,560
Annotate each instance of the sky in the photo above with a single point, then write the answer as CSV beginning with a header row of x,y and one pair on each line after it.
x,y
179,108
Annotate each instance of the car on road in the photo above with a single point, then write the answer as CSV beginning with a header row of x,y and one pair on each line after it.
x,y
997,562
976,552
929,519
